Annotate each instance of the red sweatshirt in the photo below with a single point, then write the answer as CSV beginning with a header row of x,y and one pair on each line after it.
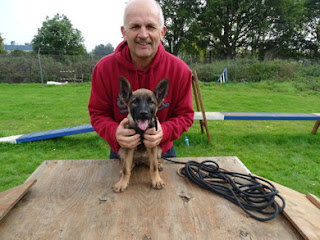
x,y
106,110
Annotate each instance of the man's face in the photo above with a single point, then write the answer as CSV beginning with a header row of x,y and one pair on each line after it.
x,y
143,32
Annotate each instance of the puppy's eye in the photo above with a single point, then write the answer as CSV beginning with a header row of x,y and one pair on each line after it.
x,y
135,101
151,102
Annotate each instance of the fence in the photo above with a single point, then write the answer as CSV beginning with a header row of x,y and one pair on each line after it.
x,y
28,68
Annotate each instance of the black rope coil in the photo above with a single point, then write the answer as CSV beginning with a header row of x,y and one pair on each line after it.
x,y
251,193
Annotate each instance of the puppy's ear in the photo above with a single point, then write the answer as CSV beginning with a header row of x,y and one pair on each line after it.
x,y
161,90
125,90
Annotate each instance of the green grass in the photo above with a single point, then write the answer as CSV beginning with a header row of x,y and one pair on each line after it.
x,y
282,151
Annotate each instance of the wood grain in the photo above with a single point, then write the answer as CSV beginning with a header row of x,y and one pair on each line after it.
x,y
73,199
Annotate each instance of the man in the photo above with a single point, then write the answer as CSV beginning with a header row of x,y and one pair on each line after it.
x,y
142,59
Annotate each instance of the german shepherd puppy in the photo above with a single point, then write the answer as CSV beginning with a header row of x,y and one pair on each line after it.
x,y
142,107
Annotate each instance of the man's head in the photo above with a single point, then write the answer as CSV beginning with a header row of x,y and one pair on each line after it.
x,y
143,29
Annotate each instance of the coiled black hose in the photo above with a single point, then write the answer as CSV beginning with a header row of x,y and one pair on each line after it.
x,y
253,194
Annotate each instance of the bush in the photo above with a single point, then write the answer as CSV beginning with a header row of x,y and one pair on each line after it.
x,y
303,76
211,72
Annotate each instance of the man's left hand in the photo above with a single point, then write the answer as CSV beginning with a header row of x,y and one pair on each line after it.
x,y
152,137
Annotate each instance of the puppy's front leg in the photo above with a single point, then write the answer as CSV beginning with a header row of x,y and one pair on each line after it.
x,y
156,181
125,172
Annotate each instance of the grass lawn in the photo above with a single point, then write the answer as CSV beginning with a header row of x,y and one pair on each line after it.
x,y
282,151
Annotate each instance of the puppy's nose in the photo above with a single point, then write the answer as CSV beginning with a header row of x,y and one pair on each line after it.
x,y
143,113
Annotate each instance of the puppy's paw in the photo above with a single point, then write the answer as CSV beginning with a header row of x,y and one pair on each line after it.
x,y
160,167
120,186
157,184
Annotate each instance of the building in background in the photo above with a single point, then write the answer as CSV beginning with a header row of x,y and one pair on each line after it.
x,y
27,47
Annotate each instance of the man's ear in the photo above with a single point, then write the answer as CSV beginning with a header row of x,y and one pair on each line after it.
x,y
161,90
125,90
163,32
123,32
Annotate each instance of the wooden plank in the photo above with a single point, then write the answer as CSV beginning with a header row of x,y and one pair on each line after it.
x,y
270,116
11,139
258,116
302,213
209,116
314,199
73,200
10,197
36,136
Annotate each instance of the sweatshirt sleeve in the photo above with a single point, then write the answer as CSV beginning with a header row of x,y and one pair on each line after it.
x,y
182,114
101,109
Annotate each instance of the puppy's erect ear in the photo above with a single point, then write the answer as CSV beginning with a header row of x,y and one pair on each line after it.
x,y
161,90
125,90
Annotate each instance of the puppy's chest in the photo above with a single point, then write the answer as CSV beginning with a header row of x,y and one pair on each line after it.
x,y
140,154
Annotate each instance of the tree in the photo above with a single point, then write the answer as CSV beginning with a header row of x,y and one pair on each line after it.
x,y
2,50
312,28
178,16
103,50
283,38
232,25
58,37
227,28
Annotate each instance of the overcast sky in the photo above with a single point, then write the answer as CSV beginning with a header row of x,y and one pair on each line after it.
x,y
98,20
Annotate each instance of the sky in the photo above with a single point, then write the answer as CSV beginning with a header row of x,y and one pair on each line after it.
x,y
98,20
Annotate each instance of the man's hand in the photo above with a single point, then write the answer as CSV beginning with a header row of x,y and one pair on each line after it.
x,y
127,138
152,137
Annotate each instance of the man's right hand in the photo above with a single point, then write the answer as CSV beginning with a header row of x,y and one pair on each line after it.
x,y
127,138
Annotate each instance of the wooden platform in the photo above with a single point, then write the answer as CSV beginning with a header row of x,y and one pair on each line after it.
x,y
72,199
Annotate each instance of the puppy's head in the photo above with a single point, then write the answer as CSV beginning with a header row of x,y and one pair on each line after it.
x,y
143,104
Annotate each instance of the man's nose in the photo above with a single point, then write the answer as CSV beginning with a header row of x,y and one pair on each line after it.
x,y
143,33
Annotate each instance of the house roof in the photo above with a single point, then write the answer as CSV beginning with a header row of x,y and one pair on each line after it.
x,y
18,47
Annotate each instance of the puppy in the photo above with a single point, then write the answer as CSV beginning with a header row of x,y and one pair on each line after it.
x,y
142,107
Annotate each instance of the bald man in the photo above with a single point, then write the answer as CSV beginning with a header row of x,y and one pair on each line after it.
x,y
142,59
